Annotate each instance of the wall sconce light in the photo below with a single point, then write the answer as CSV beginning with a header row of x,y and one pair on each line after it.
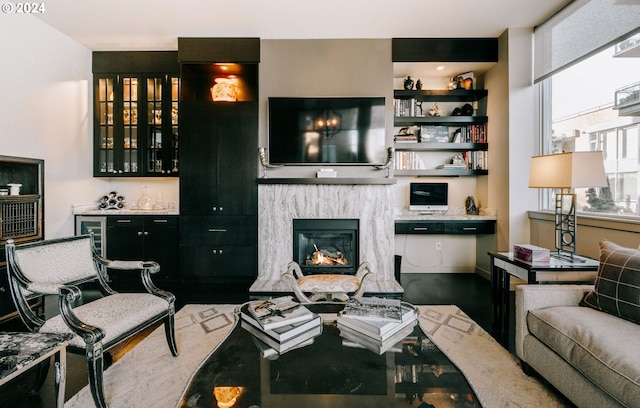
x,y
566,171
225,89
327,122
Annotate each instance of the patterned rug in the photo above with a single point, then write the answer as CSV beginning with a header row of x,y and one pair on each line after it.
x,y
148,376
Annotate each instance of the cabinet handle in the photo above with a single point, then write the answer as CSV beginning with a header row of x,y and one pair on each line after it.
x,y
217,230
123,221
139,233
218,209
160,221
420,229
217,251
146,233
469,229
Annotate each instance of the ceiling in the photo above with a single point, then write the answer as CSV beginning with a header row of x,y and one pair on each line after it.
x,y
156,24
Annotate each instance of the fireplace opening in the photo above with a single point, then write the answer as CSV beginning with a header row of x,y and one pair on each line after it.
x,y
326,245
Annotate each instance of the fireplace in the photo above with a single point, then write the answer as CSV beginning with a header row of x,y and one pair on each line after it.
x,y
326,245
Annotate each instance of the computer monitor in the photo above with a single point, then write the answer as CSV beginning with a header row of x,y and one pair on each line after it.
x,y
429,197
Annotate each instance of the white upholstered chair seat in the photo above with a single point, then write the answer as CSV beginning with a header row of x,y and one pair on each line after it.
x,y
329,283
115,314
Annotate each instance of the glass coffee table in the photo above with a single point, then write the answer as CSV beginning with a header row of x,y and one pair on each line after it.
x,y
328,373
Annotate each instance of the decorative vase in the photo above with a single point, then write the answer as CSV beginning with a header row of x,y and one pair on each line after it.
x,y
408,83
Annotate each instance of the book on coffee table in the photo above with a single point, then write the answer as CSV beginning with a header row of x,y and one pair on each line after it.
x,y
379,347
282,333
379,329
373,308
284,346
269,352
277,312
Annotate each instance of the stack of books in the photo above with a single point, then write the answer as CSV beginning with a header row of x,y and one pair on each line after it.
x,y
377,324
280,324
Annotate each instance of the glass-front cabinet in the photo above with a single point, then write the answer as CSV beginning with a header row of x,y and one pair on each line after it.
x,y
136,114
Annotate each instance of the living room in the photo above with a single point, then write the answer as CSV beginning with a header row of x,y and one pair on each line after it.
x,y
48,112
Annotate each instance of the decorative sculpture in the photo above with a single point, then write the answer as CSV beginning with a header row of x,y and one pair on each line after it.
x,y
262,154
387,164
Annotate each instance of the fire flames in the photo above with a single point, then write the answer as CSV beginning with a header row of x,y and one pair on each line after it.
x,y
324,257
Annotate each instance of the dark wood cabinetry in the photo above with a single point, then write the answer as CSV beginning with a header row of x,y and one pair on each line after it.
x,y
218,160
21,217
136,96
143,237
459,227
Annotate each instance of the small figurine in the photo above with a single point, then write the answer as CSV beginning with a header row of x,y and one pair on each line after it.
x,y
408,83
435,110
418,85
471,206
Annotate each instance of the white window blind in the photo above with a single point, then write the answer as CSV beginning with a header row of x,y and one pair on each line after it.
x,y
580,29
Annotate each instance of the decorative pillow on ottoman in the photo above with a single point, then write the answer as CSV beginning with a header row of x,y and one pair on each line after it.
x,y
617,287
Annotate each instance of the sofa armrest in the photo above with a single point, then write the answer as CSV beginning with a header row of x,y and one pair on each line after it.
x,y
532,297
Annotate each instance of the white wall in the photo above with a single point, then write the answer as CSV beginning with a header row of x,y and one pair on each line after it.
x,y
46,113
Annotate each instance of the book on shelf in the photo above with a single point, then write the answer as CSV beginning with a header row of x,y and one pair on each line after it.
x,y
374,345
408,161
269,352
287,345
434,134
373,308
282,333
379,330
278,312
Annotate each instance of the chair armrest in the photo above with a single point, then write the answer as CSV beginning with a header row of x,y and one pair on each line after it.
x,y
41,288
152,266
67,296
533,297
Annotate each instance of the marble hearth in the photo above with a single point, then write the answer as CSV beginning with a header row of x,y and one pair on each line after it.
x,y
280,204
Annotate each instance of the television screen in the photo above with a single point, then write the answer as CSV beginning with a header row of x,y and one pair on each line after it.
x,y
429,197
348,130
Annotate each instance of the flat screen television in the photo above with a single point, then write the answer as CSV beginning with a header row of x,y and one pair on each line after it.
x,y
349,130
429,198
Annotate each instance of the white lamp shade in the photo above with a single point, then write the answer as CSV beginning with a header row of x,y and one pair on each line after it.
x,y
568,170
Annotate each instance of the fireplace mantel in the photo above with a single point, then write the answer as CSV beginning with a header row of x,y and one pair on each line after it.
x,y
280,203
337,180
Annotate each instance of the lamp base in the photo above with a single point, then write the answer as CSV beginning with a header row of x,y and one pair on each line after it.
x,y
567,256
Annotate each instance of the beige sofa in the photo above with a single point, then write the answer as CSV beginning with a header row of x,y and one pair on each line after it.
x,y
591,357
585,340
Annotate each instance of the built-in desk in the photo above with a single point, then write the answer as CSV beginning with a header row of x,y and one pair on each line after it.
x,y
408,222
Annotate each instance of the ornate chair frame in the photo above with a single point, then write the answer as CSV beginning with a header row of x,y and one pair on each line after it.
x,y
57,267
326,283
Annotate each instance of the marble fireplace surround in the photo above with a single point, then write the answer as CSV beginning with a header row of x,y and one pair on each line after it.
x,y
280,204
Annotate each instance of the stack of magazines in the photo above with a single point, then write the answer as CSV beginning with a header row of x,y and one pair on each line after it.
x,y
377,324
280,324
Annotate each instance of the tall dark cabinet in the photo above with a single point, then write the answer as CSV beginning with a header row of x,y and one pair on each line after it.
x,y
218,160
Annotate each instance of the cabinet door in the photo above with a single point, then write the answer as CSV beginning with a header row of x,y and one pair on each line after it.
x,y
161,94
198,158
161,245
116,126
218,153
237,159
125,239
218,261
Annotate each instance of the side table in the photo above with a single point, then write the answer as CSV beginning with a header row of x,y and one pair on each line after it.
x,y
504,265
20,352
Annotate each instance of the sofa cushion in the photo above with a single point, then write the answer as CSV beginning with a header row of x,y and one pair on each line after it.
x,y
617,286
601,346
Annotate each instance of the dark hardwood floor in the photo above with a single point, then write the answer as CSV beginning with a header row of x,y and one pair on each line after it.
x,y
470,292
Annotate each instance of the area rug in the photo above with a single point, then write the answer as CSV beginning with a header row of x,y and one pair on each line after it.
x,y
149,376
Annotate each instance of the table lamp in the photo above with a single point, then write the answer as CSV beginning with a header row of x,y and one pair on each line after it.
x,y
566,171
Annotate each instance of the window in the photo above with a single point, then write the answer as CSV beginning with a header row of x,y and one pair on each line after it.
x,y
594,105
